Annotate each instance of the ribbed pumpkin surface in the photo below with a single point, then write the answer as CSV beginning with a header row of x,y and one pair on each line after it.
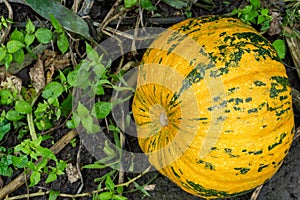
x,y
213,107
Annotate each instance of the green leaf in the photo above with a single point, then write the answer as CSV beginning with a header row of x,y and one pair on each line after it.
x,y
56,24
251,16
91,53
17,35
255,3
6,97
82,111
279,46
53,194
5,170
44,124
13,115
4,128
29,27
62,43
246,9
19,56
29,38
43,35
105,196
264,12
119,189
53,90
23,107
178,4
35,178
109,184
71,124
51,177
129,3
94,166
260,19
20,162
7,60
46,153
102,109
14,45
147,5
66,106
119,197
88,124
67,18
2,53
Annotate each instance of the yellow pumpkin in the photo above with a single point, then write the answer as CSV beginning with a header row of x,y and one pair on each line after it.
x,y
213,107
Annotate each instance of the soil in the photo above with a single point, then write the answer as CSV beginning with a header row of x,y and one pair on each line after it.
x,y
285,185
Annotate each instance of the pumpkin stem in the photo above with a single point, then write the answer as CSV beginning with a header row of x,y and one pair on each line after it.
x,y
163,119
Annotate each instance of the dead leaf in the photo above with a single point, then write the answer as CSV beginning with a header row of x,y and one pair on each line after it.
x,y
9,81
150,187
53,61
72,173
275,26
49,74
51,58
37,75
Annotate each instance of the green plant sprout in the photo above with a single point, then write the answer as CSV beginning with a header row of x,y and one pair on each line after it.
x,y
254,14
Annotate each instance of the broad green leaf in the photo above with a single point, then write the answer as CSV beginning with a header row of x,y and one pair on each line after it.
x,y
46,153
62,43
66,106
67,18
14,45
2,53
119,197
17,35
20,162
23,107
255,3
102,109
43,35
105,195
82,111
264,12
29,38
6,97
260,19
29,28
53,89
176,3
35,178
147,5
109,184
53,194
89,125
7,60
44,124
56,24
19,56
91,53
13,115
129,3
4,128
279,46
251,16
51,177
5,170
